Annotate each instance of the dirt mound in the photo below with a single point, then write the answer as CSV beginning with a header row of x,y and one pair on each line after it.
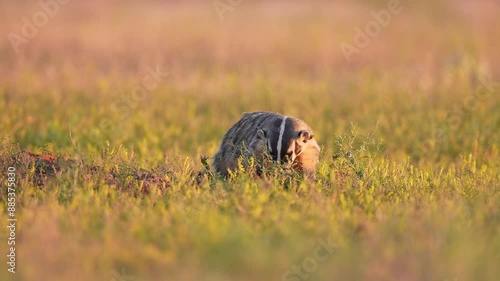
x,y
128,179
40,168
37,167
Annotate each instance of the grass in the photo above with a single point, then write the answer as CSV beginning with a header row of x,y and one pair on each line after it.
x,y
408,183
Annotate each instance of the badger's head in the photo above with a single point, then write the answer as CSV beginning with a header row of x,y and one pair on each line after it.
x,y
286,144
303,151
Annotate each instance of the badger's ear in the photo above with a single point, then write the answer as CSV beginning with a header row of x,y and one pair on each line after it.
x,y
304,136
261,134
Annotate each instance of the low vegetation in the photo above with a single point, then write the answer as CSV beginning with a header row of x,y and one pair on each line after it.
x,y
115,184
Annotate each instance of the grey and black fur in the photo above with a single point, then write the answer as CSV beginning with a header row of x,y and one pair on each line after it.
x,y
283,138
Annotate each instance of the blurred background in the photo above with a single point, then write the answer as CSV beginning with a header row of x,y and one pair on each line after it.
x,y
164,80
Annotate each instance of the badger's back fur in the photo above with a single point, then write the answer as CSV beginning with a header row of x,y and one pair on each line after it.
x,y
284,138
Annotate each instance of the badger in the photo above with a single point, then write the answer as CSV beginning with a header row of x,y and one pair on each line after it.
x,y
257,134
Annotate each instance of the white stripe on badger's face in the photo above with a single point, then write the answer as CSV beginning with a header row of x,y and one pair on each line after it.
x,y
280,138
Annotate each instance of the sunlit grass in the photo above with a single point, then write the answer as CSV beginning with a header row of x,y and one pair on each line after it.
x,y
408,181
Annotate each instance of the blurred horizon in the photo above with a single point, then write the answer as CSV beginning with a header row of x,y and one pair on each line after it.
x,y
105,39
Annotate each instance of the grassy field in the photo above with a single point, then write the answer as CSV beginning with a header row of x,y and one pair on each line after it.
x,y
122,100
